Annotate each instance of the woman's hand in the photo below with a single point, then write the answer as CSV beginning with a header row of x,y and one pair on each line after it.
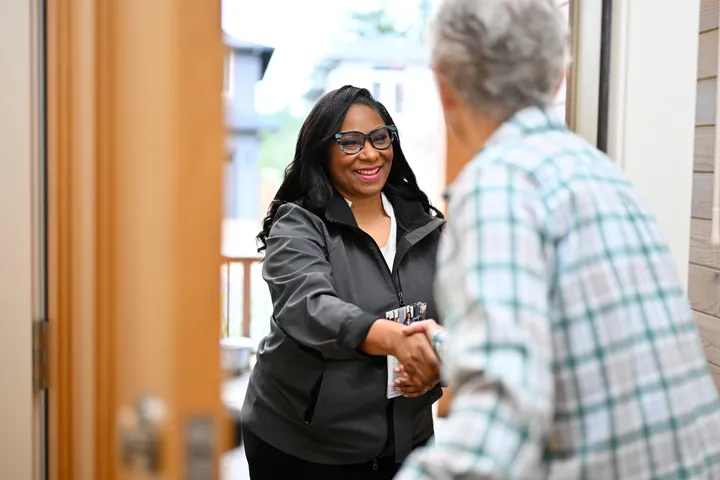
x,y
409,387
420,364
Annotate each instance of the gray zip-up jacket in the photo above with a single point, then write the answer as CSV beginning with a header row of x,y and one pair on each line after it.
x,y
313,394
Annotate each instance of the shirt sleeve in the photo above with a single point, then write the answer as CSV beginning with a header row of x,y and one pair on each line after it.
x,y
305,304
493,289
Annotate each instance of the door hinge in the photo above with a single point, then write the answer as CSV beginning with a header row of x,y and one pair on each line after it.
x,y
40,355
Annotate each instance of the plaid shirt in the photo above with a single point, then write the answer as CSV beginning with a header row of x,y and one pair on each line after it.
x,y
570,343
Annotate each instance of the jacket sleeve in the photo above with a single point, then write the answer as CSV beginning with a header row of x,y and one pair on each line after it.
x,y
305,304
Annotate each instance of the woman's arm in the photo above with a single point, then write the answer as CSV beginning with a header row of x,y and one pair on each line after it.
x,y
434,334
305,304
307,308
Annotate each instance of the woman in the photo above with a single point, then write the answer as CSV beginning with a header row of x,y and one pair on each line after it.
x,y
348,237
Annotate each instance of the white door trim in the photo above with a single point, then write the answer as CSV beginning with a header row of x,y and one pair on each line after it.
x,y
651,128
20,218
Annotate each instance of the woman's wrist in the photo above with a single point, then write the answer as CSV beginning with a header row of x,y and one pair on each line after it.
x,y
383,337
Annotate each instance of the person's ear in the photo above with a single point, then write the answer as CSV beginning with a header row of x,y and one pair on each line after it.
x,y
448,95
562,80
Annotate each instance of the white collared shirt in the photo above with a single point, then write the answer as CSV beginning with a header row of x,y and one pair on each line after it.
x,y
390,248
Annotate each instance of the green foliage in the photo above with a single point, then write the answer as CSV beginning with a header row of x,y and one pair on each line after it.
x,y
278,147
375,23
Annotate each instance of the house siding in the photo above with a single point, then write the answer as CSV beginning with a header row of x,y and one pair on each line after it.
x,y
704,268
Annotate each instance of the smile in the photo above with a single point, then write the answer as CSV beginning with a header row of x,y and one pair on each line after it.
x,y
369,174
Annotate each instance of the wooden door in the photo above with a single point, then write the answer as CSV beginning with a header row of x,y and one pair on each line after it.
x,y
135,151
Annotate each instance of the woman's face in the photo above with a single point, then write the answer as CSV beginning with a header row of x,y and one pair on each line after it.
x,y
363,174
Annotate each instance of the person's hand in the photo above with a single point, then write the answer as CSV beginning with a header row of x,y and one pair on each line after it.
x,y
408,387
420,364
428,327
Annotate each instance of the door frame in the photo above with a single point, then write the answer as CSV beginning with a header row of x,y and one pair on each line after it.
x,y
21,272
651,111
126,256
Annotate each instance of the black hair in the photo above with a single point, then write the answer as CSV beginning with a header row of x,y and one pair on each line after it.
x,y
307,182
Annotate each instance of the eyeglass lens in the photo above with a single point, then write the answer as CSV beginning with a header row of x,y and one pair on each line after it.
x,y
353,142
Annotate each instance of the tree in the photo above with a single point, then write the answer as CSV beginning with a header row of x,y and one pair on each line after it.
x,y
375,23
277,147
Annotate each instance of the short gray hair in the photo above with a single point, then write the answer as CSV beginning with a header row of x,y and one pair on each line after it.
x,y
501,55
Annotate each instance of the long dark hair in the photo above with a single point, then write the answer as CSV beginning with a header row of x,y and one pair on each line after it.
x,y
307,182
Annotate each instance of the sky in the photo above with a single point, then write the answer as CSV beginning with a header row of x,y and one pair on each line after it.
x,y
301,32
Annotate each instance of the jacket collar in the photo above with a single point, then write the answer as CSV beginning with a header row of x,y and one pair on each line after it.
x,y
409,214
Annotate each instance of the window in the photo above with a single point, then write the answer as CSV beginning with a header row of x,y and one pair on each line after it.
x,y
376,91
399,97
228,75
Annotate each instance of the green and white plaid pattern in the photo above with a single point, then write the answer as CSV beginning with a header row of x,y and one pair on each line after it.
x,y
570,343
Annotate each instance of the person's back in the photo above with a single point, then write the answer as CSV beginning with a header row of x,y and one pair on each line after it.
x,y
632,391
572,344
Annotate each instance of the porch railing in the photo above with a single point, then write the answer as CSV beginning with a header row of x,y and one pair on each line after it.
x,y
246,264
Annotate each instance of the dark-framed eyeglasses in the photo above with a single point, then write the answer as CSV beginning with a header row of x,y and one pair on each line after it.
x,y
381,138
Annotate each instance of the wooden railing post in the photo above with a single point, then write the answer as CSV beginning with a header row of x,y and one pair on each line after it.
x,y
247,263
247,270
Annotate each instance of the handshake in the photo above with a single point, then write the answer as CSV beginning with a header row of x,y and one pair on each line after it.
x,y
419,363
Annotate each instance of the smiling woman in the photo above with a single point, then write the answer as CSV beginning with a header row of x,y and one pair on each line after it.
x,y
357,171
348,238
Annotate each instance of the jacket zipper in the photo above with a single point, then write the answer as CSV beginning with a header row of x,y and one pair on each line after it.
x,y
396,284
375,464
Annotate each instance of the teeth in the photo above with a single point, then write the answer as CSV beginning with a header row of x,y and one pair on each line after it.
x,y
369,172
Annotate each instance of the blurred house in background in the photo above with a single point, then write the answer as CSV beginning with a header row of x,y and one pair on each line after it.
x,y
245,66
396,71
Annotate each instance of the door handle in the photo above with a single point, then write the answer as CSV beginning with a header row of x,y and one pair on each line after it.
x,y
140,437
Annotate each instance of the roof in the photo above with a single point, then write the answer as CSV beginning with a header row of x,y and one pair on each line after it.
x,y
384,51
263,51
380,52
248,123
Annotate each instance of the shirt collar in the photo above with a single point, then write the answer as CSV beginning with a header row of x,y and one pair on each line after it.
x,y
387,206
528,121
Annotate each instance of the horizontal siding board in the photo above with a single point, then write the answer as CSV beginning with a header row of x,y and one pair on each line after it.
x,y
704,157
701,251
705,105
704,290
708,14
709,329
703,281
708,54
702,195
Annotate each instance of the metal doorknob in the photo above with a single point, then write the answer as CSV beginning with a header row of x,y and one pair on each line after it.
x,y
140,440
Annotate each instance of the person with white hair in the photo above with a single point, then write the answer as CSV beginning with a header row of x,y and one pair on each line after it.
x,y
570,345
